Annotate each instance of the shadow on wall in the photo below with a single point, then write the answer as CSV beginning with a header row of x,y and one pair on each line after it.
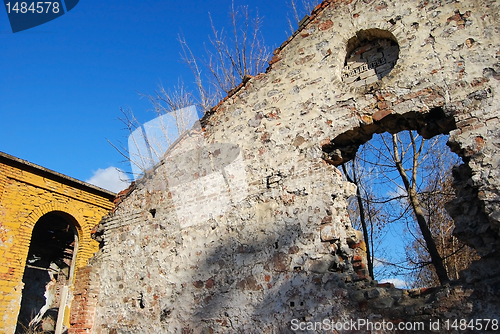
x,y
274,288
242,279
253,282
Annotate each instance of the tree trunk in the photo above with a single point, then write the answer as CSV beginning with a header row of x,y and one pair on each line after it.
x,y
362,216
436,259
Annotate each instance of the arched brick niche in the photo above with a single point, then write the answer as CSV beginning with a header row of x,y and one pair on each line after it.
x,y
371,55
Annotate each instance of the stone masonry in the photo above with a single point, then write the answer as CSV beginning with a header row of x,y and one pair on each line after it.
x,y
243,226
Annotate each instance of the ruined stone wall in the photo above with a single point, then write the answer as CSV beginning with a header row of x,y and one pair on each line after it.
x,y
243,227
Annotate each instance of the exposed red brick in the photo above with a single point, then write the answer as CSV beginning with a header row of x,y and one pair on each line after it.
x,y
198,284
275,59
478,81
326,25
279,262
209,283
326,219
357,258
360,245
379,114
302,61
358,265
382,105
249,283
479,143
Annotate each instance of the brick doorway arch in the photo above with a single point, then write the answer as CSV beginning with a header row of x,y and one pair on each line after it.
x,y
48,272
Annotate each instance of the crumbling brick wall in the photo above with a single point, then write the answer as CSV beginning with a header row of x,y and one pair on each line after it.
x,y
244,227
27,193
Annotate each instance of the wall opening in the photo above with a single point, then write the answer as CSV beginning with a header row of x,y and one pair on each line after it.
x,y
398,248
424,127
371,55
48,271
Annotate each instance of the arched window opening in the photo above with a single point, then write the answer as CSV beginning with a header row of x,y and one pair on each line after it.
x,y
428,128
404,183
48,271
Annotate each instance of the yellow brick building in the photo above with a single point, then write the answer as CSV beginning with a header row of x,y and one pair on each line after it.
x,y
66,211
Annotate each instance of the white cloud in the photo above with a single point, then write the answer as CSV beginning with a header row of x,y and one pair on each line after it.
x,y
378,263
111,178
398,283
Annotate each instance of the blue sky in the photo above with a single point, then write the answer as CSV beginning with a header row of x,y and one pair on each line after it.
x,y
62,83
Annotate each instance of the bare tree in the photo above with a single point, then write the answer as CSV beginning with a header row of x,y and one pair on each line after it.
x,y
170,102
409,179
456,255
361,204
297,11
368,210
144,151
229,56
403,167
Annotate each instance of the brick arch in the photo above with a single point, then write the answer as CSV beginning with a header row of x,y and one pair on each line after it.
x,y
28,192
370,55
83,231
40,211
384,27
51,221
368,35
392,29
